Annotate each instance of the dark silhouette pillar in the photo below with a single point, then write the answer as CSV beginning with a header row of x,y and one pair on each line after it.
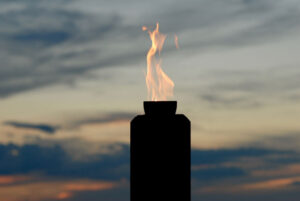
x,y
160,154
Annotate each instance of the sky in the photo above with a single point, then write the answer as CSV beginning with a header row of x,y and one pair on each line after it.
x,y
72,76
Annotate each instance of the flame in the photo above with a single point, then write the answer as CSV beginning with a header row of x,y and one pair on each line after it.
x,y
176,41
159,85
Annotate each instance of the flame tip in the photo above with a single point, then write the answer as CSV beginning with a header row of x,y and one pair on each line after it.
x,y
144,28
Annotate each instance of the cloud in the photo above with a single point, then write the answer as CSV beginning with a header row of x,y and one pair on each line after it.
x,y
107,118
232,23
210,169
219,156
13,179
38,50
116,194
252,89
233,101
260,186
48,51
286,170
262,80
52,189
297,183
210,165
47,37
54,161
217,173
270,184
289,140
48,129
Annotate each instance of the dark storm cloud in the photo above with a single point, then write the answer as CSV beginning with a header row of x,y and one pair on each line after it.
x,y
48,129
46,42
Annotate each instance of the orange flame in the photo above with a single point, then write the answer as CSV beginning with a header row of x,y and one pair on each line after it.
x,y
176,41
159,85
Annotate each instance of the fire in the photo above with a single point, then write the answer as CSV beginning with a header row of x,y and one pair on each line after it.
x,y
159,85
176,41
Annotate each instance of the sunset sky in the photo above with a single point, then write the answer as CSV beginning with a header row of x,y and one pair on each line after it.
x,y
72,76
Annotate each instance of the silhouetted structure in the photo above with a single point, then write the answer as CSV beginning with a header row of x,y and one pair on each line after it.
x,y
160,154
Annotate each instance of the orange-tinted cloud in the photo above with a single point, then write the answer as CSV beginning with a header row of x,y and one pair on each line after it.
x,y
271,184
293,169
64,195
89,186
10,179
71,188
53,189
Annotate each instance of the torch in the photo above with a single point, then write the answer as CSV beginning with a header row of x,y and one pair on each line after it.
x,y
160,140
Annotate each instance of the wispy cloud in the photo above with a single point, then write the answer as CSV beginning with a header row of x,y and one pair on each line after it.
x,y
52,189
297,183
218,173
13,179
232,101
114,163
223,155
48,129
48,51
210,169
106,118
55,161
261,186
